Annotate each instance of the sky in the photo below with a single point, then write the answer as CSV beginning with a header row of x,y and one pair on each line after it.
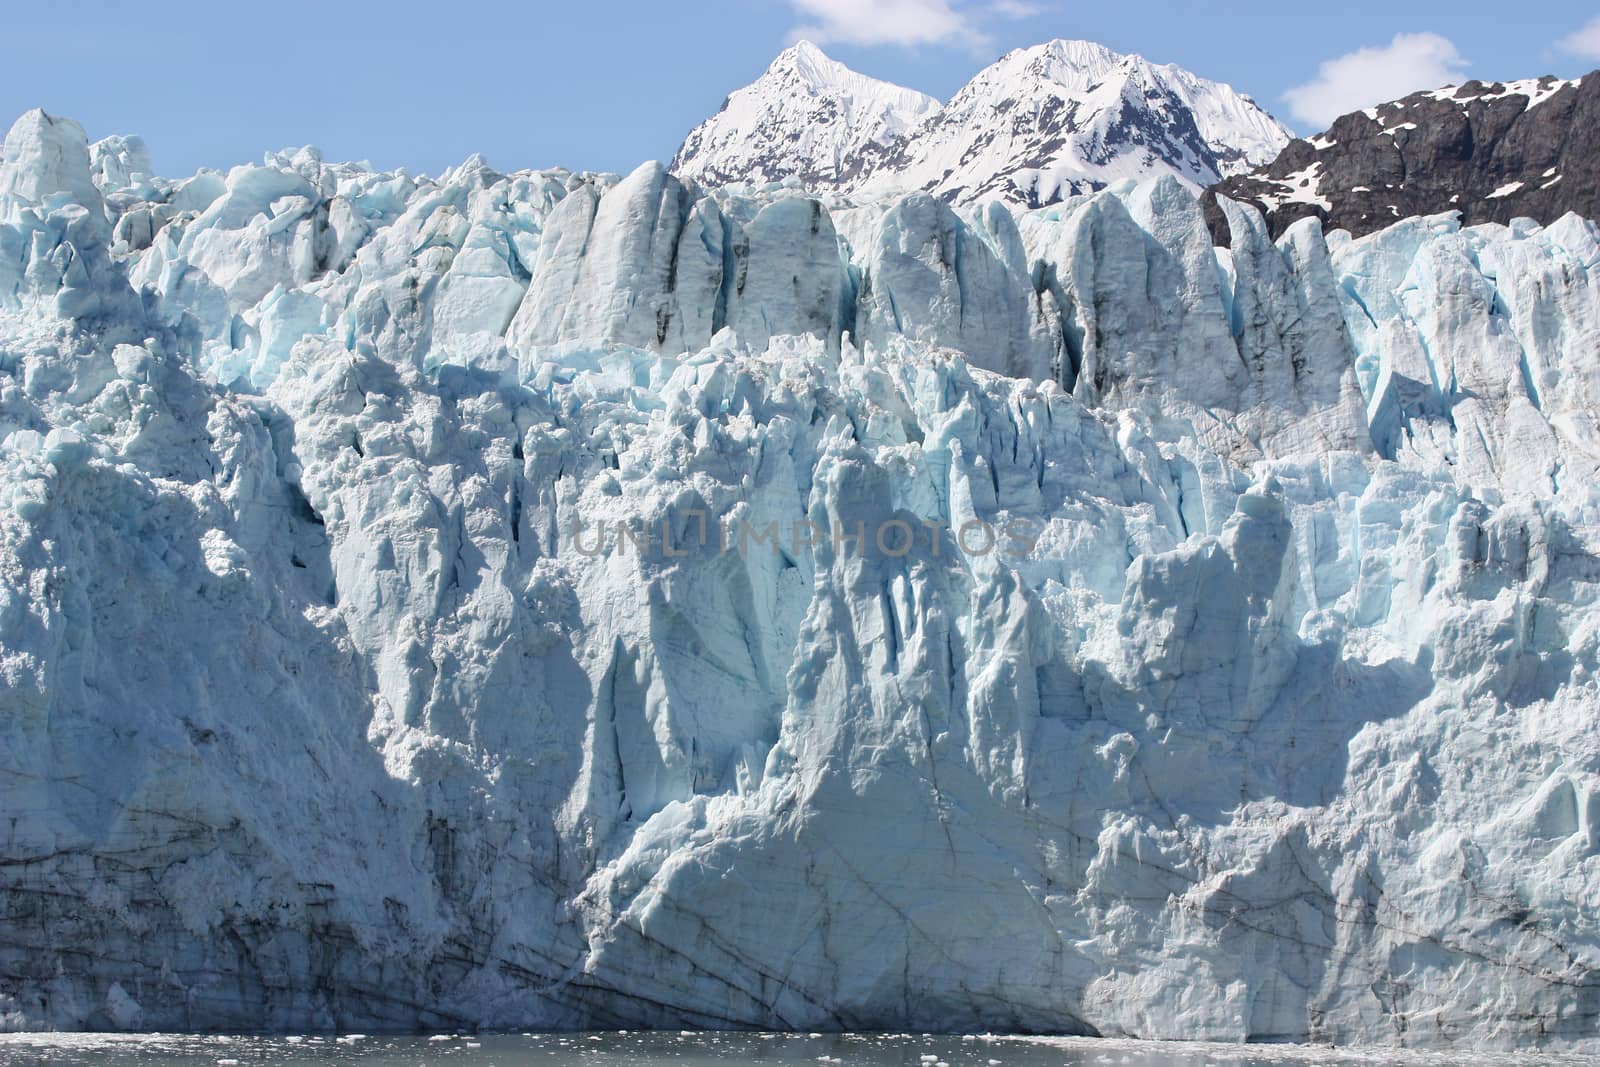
x,y
607,84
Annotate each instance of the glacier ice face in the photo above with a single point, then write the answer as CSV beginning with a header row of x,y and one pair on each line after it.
x,y
1478,350
1269,715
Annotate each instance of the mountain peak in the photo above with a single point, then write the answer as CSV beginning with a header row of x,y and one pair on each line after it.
x,y
1066,61
807,116
811,65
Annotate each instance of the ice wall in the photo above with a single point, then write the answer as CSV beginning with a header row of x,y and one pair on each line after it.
x,y
1279,723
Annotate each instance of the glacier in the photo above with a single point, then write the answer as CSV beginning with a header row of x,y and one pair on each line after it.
x,y
319,712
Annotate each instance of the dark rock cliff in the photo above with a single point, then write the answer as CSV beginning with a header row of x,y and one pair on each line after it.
x,y
1493,151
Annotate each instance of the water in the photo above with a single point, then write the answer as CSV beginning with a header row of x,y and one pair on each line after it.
x,y
641,1049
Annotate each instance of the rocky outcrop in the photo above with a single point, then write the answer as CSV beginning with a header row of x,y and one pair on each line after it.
x,y
1492,151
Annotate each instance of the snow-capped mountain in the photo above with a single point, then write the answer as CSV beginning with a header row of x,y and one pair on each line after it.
x,y
808,116
1041,124
1069,117
1137,637
1494,151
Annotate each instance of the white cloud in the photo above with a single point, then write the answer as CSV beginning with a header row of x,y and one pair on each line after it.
x,y
1584,43
1368,76
1017,9
903,22
907,22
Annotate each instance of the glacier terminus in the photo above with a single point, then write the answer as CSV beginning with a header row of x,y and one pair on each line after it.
x,y
1278,725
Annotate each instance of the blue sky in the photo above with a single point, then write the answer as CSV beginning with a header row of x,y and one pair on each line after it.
x,y
607,85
